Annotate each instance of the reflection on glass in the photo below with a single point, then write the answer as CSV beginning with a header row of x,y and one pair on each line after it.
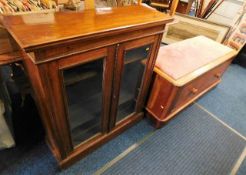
x,y
83,86
131,80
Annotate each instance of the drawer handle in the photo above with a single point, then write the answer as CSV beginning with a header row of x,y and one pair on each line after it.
x,y
217,75
194,90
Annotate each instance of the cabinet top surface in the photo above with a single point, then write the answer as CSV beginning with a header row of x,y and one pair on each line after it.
x,y
44,28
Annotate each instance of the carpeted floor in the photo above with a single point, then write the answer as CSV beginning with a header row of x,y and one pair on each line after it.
x,y
37,159
192,143
228,100
189,146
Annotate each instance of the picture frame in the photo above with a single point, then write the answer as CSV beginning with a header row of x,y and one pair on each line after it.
x,y
186,26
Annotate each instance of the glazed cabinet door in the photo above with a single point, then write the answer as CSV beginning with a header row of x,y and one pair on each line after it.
x,y
81,89
133,69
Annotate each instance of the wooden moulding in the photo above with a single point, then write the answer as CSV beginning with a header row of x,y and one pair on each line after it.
x,y
51,53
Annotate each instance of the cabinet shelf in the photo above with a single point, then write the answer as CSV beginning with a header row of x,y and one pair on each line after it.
x,y
82,109
133,60
75,77
137,54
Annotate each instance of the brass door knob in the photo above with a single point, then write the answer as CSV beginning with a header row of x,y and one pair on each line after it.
x,y
217,75
194,90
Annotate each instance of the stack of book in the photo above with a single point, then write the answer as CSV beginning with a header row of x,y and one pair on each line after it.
x,y
15,6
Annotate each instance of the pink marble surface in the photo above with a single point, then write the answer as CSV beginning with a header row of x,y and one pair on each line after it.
x,y
182,58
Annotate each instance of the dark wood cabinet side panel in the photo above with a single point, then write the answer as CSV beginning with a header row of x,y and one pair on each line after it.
x,y
55,92
43,105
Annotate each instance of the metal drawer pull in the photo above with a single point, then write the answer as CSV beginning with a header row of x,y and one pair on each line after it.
x,y
194,90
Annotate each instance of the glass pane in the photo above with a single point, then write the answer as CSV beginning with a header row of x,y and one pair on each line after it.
x,y
83,86
131,80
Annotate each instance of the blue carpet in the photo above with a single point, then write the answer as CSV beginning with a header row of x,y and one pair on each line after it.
x,y
37,159
228,100
193,143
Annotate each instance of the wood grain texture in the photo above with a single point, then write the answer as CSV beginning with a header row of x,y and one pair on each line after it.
x,y
37,80
59,26
6,42
168,97
69,48
9,58
121,52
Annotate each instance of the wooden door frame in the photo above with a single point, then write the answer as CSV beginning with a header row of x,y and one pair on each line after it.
x,y
59,102
122,48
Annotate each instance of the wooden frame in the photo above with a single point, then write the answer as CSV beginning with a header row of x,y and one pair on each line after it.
x,y
122,49
187,27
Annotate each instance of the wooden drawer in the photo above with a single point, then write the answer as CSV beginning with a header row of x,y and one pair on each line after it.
x,y
199,85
